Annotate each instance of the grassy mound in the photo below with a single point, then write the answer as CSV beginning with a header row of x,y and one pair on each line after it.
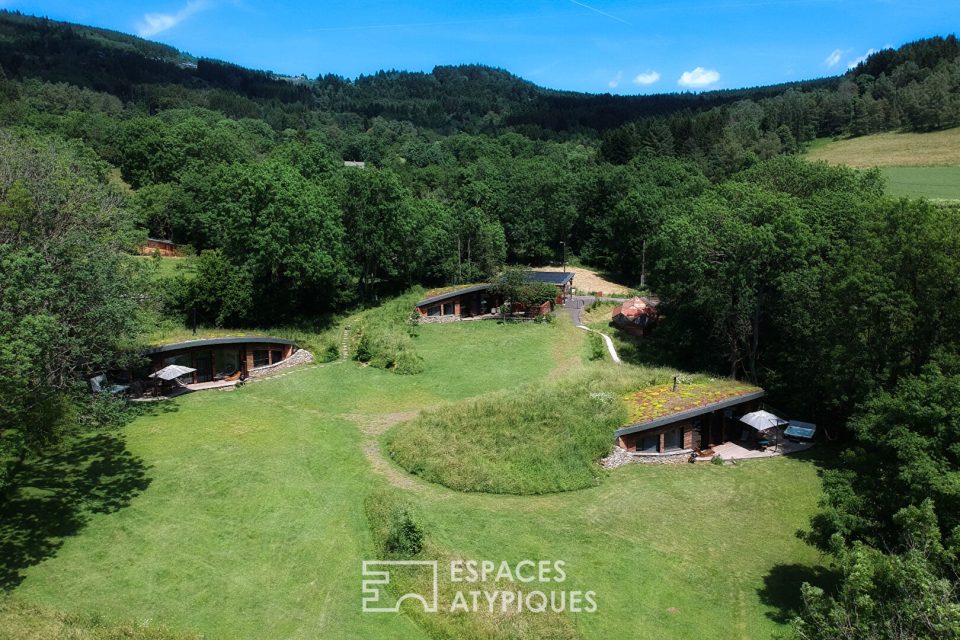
x,y
383,337
539,438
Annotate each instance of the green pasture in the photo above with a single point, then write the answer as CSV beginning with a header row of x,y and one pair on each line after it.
x,y
239,514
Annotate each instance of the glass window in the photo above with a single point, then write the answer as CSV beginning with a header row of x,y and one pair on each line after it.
x,y
448,309
261,357
184,360
203,362
434,311
650,444
226,362
276,356
673,440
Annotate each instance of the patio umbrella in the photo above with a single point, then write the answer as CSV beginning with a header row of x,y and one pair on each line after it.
x,y
763,420
171,372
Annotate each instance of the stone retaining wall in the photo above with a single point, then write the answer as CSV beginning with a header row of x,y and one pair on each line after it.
x,y
302,356
435,319
619,457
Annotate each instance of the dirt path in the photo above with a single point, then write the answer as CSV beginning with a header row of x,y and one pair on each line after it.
x,y
371,427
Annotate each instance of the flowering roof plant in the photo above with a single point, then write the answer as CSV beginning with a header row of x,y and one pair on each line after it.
x,y
658,401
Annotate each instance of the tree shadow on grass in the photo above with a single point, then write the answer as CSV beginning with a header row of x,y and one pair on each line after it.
x,y
54,495
781,588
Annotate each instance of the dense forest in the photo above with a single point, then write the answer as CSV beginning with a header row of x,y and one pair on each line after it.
x,y
804,278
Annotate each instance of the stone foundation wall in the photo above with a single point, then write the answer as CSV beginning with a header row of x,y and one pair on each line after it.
x,y
302,356
435,319
620,456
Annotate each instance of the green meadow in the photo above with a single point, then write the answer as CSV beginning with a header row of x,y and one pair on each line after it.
x,y
243,512
937,183
913,164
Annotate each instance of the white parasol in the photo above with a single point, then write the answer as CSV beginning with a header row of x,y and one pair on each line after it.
x,y
172,371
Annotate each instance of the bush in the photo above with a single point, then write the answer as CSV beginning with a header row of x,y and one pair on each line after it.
x,y
383,338
396,531
596,346
106,410
329,352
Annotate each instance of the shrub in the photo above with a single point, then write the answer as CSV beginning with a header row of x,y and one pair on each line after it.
x,y
106,410
596,346
396,531
383,337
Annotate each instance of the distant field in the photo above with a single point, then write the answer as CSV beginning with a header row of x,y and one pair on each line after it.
x,y
940,148
914,164
931,182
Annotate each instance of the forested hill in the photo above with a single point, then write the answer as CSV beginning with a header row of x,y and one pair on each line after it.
x,y
471,98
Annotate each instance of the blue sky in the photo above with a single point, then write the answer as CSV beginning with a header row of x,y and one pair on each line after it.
x,y
615,46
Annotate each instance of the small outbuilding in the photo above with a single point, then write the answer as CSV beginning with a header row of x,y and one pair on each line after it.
x,y
165,248
476,300
635,316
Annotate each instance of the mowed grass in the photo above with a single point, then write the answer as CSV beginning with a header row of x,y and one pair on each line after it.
x,y
252,525
937,183
672,551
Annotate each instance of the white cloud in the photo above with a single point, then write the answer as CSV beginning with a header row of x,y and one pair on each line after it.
x,y
645,78
154,23
856,61
834,58
613,84
698,78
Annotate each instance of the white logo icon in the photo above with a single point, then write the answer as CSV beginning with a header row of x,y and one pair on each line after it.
x,y
377,575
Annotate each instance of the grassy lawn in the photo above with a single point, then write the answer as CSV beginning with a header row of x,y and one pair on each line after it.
x,y
252,524
939,183
166,266
673,551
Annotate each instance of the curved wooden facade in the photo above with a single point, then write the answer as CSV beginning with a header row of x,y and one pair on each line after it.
x,y
222,358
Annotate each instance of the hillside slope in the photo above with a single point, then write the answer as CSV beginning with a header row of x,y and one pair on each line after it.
x,y
914,164
472,98
937,148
